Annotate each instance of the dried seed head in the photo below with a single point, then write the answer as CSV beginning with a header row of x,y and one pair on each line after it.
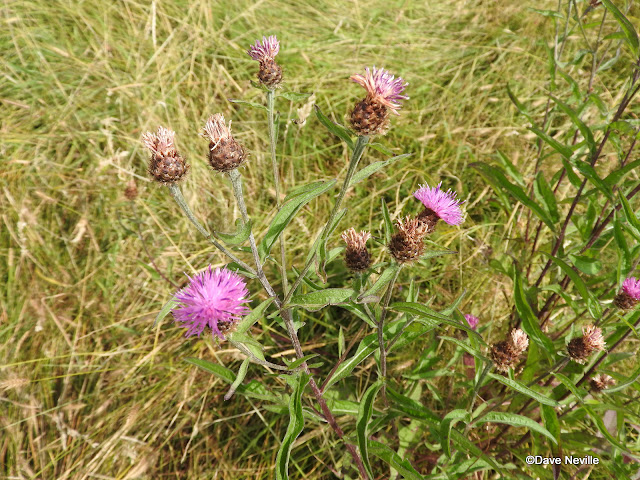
x,y
270,73
166,165
407,245
225,153
602,382
505,354
131,192
370,116
356,256
581,348
629,295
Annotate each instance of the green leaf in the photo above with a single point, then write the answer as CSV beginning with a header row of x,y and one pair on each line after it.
x,y
544,193
289,210
374,167
626,26
423,311
616,176
589,172
367,346
595,309
242,372
387,276
314,301
294,96
334,128
511,168
530,323
242,233
259,106
573,178
628,212
170,305
590,266
449,421
296,425
256,314
403,467
493,174
545,400
584,130
388,227
365,410
547,13
516,421
550,420
563,150
521,108
627,383
300,361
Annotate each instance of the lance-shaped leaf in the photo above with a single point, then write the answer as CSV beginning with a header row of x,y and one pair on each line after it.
x,y
423,311
388,227
294,96
293,203
242,372
365,410
515,421
314,301
584,130
374,167
562,149
387,275
403,467
543,399
170,305
242,233
296,425
256,314
259,106
449,420
334,128
627,27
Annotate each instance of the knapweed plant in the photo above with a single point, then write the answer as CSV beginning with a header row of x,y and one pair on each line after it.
x,y
540,386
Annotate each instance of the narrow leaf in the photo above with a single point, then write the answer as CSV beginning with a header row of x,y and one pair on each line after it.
x,y
314,301
334,128
449,421
387,275
242,372
403,467
516,421
626,26
545,400
584,130
170,305
374,167
365,410
242,233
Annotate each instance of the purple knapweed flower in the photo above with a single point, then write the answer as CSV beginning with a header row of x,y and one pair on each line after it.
x,y
629,295
472,321
213,298
438,205
270,73
382,87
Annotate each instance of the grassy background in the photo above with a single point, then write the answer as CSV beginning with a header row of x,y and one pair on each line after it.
x,y
88,389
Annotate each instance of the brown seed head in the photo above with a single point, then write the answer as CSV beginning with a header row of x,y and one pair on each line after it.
x,y
407,245
356,255
370,117
270,74
166,165
601,382
505,354
581,348
225,153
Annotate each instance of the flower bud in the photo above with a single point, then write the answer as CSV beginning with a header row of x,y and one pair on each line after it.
x,y
356,256
131,192
225,153
166,165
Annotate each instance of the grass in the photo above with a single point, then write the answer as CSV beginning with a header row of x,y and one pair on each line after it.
x,y
88,388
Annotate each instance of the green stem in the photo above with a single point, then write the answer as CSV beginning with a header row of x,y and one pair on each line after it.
x,y
176,193
358,150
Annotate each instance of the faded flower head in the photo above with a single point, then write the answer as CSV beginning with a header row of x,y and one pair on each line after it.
x,y
166,165
370,116
472,321
602,382
581,348
270,74
131,191
407,245
356,255
213,298
438,205
505,354
629,295
225,153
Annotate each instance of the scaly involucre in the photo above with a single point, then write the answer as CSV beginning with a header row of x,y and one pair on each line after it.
x,y
213,298
382,87
166,166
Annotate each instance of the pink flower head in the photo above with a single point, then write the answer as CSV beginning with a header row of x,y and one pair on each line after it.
x,y
472,321
212,296
267,50
443,204
160,144
382,87
631,287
